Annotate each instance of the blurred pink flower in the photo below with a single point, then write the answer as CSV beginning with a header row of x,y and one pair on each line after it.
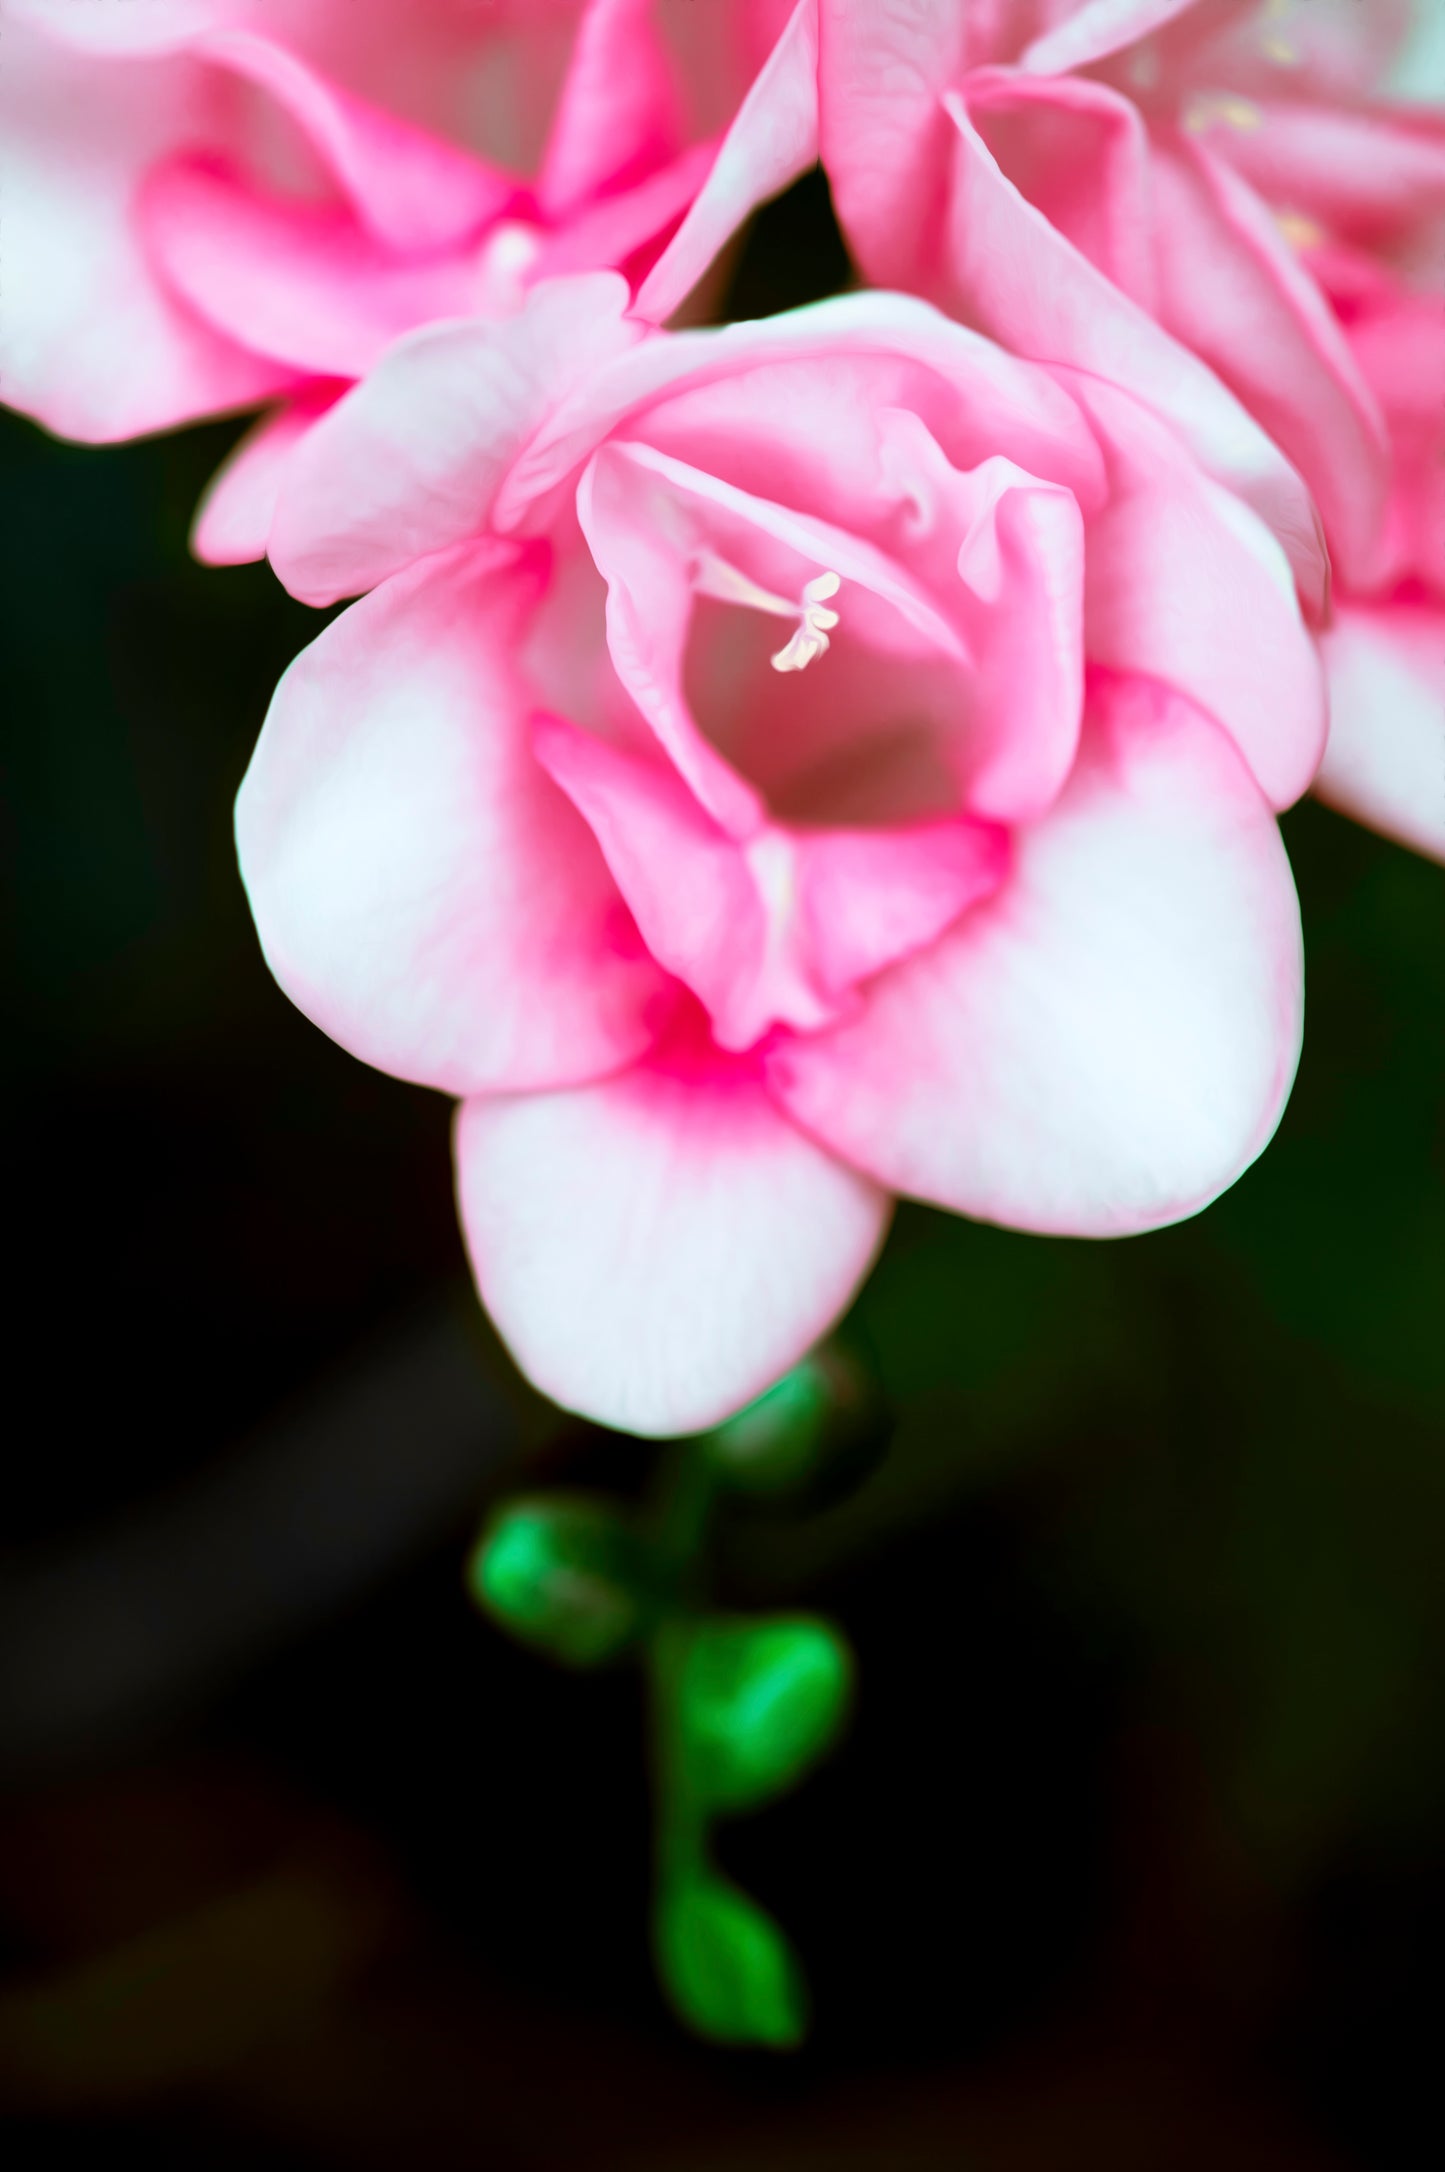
x,y
210,204
1201,200
775,768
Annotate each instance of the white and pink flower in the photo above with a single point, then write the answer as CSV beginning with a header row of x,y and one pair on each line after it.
x,y
777,768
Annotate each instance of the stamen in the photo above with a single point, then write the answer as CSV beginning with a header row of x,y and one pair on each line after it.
x,y
811,639
713,576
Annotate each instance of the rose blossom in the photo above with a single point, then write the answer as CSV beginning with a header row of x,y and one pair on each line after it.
x,y
1189,195
811,760
210,204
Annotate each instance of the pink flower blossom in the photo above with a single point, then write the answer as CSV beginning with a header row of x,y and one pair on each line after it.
x,y
209,204
1202,200
775,768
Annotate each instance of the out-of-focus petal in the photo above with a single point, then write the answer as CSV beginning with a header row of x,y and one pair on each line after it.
x,y
411,460
617,115
90,344
773,139
1385,761
659,1248
412,189
422,890
234,517
1232,290
1107,1043
304,284
1096,29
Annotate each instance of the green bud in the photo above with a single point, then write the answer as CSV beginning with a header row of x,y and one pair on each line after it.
x,y
727,1966
814,1432
758,1702
564,1574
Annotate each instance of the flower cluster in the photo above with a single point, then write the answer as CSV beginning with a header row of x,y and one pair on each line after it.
x,y
770,767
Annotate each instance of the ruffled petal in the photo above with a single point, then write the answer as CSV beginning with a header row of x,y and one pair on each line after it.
x,y
411,460
1187,585
233,519
422,890
1108,1042
658,1249
1009,271
1385,761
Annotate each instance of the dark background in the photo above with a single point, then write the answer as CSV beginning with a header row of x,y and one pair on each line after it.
x,y
1132,1857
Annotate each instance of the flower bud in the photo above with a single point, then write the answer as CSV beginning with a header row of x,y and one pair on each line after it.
x,y
727,1966
758,1702
567,1576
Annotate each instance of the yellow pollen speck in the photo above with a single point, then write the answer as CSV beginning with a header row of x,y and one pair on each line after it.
x,y
1237,113
1298,231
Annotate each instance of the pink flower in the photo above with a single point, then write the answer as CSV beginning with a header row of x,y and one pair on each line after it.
x,y
210,204
1198,199
778,768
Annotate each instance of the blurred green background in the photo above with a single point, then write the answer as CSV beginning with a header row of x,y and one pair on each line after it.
x,y
1133,1855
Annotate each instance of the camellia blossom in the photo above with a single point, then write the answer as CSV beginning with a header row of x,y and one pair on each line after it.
x,y
211,204
805,762
1202,200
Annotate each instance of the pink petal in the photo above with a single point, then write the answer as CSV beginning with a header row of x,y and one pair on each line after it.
x,y
302,283
839,353
1187,585
234,517
1232,289
1079,153
686,881
1108,1042
870,897
411,460
613,230
1013,274
1096,29
617,116
885,138
413,190
658,1249
422,890
91,345
1368,177
773,139
1383,764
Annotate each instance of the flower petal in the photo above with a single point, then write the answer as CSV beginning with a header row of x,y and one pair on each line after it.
x,y
1108,1042
411,460
617,115
772,140
1232,290
1187,585
303,284
1012,273
91,344
1385,761
234,517
422,890
658,1249
413,190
